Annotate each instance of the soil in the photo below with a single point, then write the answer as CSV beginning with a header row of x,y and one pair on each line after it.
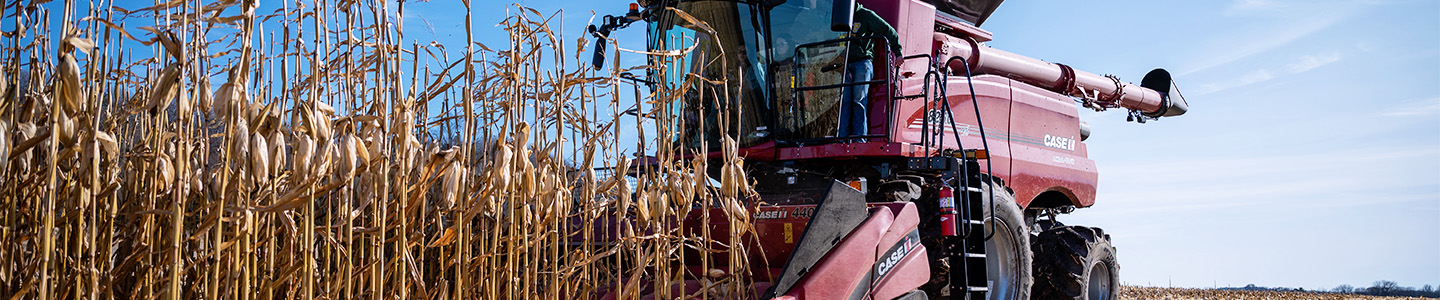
x,y
1136,292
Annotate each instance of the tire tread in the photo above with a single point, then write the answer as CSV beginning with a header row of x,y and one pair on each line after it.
x,y
1063,258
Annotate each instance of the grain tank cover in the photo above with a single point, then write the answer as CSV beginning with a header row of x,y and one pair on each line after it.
x,y
973,11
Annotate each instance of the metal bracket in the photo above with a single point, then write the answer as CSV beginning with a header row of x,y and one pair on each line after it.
x,y
933,163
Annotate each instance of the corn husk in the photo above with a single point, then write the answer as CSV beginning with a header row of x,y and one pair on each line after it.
x,y
108,143
25,131
67,128
259,158
4,83
255,113
324,157
362,153
503,167
277,152
197,181
163,90
346,157
4,141
68,91
450,191
324,109
205,103
241,145
166,173
304,156
183,107
227,100
373,145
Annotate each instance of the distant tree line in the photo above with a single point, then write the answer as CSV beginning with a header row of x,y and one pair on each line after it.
x,y
1389,288
1379,288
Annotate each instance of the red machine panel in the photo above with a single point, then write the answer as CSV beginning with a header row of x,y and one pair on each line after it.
x,y
993,94
1046,151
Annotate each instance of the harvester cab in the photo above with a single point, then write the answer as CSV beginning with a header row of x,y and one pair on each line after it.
x,y
967,146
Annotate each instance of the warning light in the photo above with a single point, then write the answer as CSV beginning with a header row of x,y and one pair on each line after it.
x,y
858,184
634,14
972,154
977,154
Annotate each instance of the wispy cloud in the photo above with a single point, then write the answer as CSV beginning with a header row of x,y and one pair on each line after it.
x,y
1245,6
1246,47
1301,65
1310,62
1295,20
1253,77
1428,107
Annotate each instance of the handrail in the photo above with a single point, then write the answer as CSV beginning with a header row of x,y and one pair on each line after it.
x,y
984,140
797,88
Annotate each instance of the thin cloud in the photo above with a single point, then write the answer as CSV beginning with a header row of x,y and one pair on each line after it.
x,y
1253,77
1310,62
1244,6
1296,20
1228,53
1428,107
1301,65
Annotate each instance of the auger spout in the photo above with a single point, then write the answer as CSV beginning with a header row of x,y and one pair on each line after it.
x,y
1155,97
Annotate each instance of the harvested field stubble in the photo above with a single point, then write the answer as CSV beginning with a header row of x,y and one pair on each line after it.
x,y
1156,293
233,151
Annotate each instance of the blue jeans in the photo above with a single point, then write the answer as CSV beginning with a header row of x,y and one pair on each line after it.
x,y
852,99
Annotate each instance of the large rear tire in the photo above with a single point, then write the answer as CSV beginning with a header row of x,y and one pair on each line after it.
x,y
1075,263
1007,252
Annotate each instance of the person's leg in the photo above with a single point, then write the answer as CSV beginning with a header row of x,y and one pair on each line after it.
x,y
862,71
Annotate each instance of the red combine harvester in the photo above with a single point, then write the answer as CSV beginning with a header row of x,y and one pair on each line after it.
x,y
971,151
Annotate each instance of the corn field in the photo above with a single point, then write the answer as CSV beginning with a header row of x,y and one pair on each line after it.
x,y
1159,293
232,150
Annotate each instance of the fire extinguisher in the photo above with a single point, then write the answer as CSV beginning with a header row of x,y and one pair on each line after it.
x,y
947,210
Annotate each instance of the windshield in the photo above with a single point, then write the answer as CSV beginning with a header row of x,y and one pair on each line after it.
x,y
815,113
719,83
757,66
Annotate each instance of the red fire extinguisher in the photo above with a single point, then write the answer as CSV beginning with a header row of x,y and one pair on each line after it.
x,y
947,210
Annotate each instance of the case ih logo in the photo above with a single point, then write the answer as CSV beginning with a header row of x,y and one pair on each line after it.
x,y
1060,142
896,253
800,212
771,214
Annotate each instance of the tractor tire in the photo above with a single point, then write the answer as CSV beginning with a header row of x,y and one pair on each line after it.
x,y
1007,252
1007,259
1075,263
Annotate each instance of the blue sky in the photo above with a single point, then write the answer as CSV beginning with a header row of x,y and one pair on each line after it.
x,y
1311,153
1310,156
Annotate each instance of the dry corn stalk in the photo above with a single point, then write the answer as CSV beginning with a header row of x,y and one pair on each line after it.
x,y
464,183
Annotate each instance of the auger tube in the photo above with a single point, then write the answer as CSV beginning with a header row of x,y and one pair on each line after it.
x,y
1064,79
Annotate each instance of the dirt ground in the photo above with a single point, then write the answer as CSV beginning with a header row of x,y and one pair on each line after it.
x,y
1138,293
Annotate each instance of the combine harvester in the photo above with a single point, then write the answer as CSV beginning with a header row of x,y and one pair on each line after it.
x,y
971,154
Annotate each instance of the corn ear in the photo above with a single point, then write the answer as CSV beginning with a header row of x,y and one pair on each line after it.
x,y
165,88
259,158
166,171
68,91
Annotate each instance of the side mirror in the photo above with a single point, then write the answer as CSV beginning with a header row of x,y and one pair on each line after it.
x,y
600,34
599,58
842,16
